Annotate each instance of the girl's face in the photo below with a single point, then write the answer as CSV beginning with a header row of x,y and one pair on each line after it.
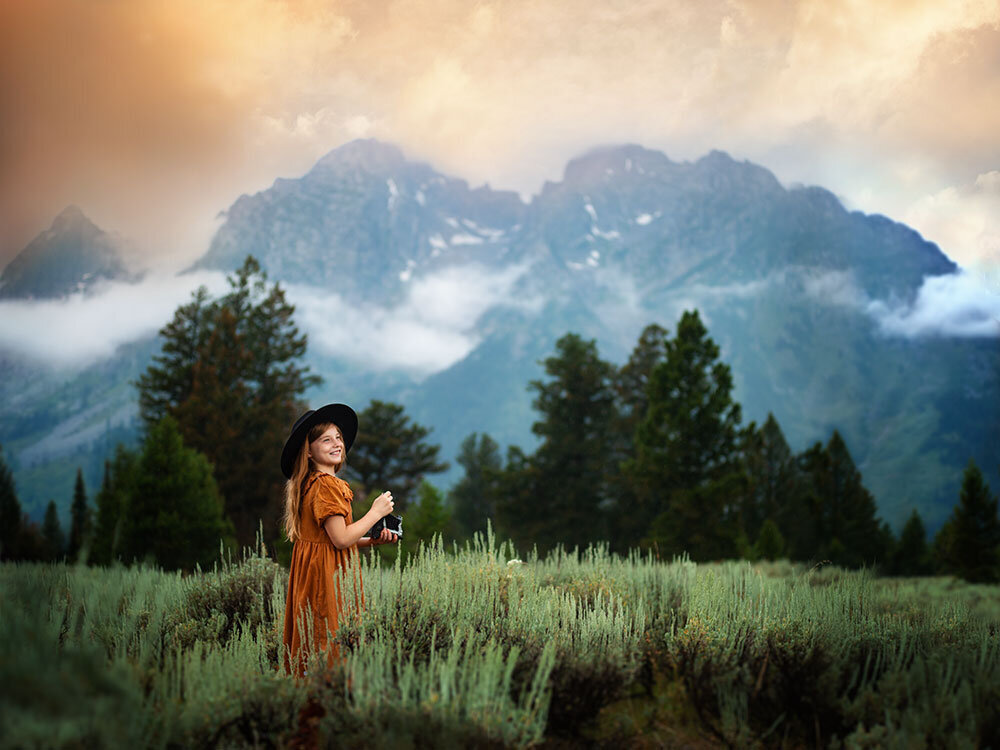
x,y
327,451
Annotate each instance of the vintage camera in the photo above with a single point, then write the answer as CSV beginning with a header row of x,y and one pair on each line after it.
x,y
391,522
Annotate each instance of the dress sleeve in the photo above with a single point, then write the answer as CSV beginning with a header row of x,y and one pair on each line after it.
x,y
328,499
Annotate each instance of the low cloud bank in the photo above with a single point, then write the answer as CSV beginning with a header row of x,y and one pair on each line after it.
x,y
964,304
80,329
431,329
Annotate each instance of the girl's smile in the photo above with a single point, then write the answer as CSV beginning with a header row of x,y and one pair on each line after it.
x,y
327,451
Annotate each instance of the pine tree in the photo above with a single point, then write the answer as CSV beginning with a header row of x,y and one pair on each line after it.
x,y
426,518
10,513
845,510
773,484
770,545
174,515
229,373
516,499
804,528
912,556
52,533
568,475
941,549
81,520
631,385
975,548
631,382
390,454
111,503
473,498
685,470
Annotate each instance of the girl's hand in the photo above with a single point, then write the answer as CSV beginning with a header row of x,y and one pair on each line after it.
x,y
383,505
386,537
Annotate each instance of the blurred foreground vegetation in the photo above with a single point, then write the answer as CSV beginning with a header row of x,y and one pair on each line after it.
x,y
471,647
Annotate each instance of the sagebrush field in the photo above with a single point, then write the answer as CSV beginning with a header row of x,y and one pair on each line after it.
x,y
472,647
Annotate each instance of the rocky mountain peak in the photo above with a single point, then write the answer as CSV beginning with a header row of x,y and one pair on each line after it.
x,y
605,162
70,256
717,170
369,154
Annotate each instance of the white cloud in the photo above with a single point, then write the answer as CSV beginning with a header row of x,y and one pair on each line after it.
x,y
836,287
962,304
429,330
82,328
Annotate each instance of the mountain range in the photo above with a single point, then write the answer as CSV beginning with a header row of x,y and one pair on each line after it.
x,y
807,300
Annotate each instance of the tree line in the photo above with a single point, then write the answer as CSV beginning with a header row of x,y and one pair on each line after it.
x,y
652,454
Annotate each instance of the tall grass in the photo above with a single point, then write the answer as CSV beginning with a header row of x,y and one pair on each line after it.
x,y
470,646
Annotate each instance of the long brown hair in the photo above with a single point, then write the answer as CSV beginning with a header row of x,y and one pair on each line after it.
x,y
300,470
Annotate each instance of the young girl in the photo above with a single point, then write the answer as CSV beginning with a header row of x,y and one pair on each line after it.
x,y
319,521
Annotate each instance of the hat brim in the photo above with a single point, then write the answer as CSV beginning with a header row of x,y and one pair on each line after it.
x,y
341,415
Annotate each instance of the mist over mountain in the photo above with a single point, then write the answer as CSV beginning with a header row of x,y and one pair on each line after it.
x,y
415,287
73,255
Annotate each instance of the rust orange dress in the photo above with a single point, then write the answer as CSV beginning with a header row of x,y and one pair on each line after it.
x,y
318,572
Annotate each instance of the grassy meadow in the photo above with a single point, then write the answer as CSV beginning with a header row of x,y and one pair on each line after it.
x,y
473,647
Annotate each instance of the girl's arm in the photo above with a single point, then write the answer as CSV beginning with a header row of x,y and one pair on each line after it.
x,y
344,536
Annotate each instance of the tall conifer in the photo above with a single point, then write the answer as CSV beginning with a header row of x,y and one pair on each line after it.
x,y
175,516
566,479
975,546
773,484
10,513
685,469
112,503
847,529
912,557
473,498
631,518
229,373
52,533
81,519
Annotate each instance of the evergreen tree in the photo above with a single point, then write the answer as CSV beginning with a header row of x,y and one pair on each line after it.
x,y
632,380
389,453
516,499
804,530
975,548
685,471
472,499
427,517
111,503
631,385
912,557
52,533
941,549
568,474
174,513
10,513
229,373
849,531
81,519
770,545
773,484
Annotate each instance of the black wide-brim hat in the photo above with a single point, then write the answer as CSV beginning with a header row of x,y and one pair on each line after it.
x,y
341,415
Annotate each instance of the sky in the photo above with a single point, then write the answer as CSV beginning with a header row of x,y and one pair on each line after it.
x,y
155,115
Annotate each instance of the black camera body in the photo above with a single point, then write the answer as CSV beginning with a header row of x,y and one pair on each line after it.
x,y
391,522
